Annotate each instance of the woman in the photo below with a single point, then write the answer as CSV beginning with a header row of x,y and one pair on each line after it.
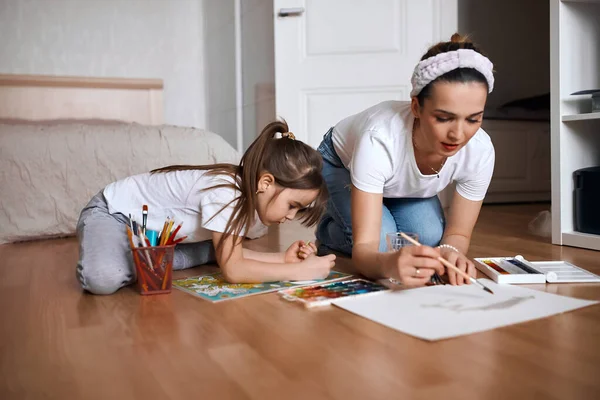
x,y
385,166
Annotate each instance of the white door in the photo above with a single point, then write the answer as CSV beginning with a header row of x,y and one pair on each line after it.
x,y
334,58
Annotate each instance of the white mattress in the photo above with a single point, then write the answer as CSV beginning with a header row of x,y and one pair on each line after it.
x,y
49,171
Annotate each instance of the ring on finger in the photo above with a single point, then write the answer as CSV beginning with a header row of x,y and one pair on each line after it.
x,y
417,272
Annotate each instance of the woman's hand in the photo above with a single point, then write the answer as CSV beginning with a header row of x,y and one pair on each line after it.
x,y
298,251
413,265
461,262
314,267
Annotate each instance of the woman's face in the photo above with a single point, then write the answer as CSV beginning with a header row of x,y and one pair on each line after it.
x,y
450,117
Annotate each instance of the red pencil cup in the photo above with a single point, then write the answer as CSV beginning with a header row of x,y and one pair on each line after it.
x,y
154,267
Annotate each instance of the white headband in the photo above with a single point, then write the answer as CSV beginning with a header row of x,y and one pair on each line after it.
x,y
432,68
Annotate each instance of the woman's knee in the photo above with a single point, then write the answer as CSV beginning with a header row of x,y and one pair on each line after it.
x,y
433,223
429,228
431,234
425,217
333,236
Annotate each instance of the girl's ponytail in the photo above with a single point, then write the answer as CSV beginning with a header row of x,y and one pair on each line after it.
x,y
252,159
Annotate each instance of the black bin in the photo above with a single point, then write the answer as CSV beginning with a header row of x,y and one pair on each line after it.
x,y
587,200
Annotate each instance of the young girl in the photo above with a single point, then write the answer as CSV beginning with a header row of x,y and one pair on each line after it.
x,y
385,166
219,205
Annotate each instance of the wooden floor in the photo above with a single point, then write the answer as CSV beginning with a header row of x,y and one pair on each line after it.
x,y
59,343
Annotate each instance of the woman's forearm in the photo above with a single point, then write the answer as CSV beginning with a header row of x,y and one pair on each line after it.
x,y
460,222
459,241
369,261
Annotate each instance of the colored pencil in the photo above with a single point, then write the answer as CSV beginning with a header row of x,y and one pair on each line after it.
x,y
181,239
163,232
174,234
169,228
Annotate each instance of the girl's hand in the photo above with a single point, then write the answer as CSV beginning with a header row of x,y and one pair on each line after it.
x,y
462,263
314,267
414,265
299,251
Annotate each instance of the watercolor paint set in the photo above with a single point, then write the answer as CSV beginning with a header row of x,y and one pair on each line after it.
x,y
510,270
325,294
518,270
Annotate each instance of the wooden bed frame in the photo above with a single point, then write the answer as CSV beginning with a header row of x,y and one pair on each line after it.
x,y
39,97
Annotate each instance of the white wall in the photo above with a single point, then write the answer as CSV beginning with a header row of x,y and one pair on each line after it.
x,y
258,66
111,38
515,34
219,36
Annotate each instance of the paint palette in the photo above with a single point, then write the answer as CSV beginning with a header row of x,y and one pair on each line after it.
x,y
565,272
325,294
510,270
519,270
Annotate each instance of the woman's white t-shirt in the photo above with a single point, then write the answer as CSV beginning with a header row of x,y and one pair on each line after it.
x,y
376,147
179,195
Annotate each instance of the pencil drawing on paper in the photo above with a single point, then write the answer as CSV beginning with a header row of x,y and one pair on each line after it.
x,y
457,306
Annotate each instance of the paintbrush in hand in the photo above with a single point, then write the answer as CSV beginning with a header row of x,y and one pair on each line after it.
x,y
447,264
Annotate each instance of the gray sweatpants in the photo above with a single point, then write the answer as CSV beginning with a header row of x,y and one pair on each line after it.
x,y
105,261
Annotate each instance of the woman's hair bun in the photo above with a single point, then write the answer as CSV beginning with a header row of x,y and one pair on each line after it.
x,y
458,38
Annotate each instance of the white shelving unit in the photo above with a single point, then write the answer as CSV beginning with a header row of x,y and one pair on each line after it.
x,y
581,117
575,130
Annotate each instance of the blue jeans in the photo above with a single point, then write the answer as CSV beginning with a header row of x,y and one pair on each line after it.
x,y
334,232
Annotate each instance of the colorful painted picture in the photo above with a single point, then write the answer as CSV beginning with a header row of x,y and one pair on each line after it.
x,y
214,288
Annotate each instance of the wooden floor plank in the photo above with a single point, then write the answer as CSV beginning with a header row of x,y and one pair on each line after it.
x,y
57,342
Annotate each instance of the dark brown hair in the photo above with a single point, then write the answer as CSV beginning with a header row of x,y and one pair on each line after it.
x,y
461,75
293,164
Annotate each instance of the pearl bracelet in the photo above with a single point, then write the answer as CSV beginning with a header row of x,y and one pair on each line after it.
x,y
447,246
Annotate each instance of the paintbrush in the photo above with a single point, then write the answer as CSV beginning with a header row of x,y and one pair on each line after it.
x,y
450,266
144,218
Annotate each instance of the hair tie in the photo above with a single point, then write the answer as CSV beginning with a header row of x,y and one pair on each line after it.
x,y
432,68
288,135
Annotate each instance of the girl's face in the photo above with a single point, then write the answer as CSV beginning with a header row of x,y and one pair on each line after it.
x,y
450,117
275,204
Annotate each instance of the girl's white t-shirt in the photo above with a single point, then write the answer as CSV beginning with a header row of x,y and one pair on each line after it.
x,y
376,147
179,195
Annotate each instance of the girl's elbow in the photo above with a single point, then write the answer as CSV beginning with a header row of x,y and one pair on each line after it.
x,y
231,275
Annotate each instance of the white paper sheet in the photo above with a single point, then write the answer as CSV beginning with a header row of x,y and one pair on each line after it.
x,y
441,312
